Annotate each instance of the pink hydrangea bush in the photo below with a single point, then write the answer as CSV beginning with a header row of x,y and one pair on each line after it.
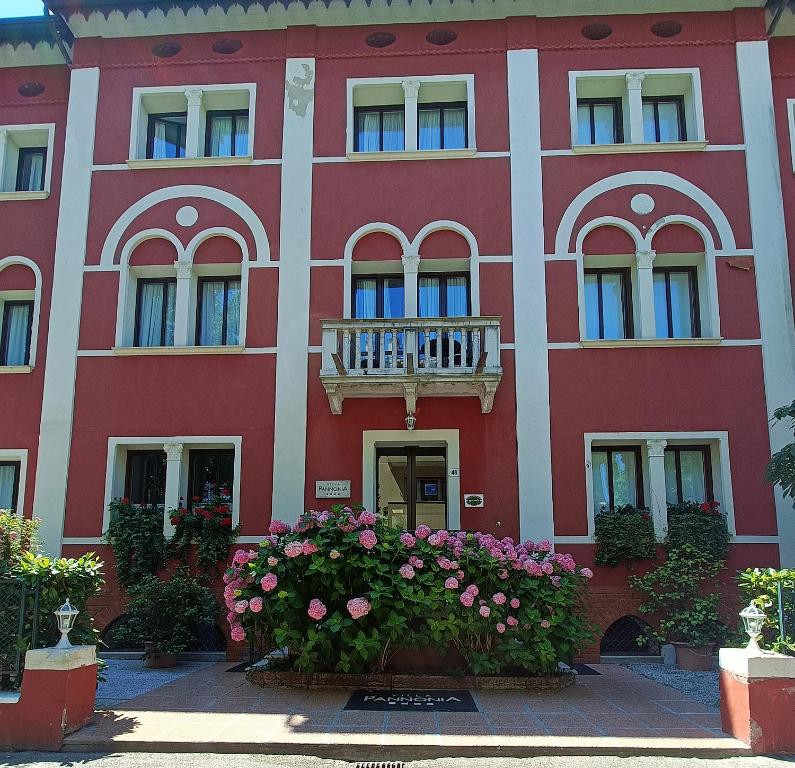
x,y
343,592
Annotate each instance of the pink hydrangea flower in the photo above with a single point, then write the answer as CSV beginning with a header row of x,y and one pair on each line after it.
x,y
241,606
498,598
434,540
423,531
358,607
238,633
368,539
555,581
473,590
406,571
294,548
255,604
277,528
512,621
316,609
547,568
407,540
231,617
503,574
467,599
367,518
273,561
309,547
545,624
485,611
515,603
269,582
500,628
460,575
544,546
451,583
416,562
587,572
240,557
334,554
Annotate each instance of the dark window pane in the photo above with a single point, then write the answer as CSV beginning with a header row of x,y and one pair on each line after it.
x,y
218,321
155,313
212,472
9,484
167,136
31,170
607,313
16,329
146,477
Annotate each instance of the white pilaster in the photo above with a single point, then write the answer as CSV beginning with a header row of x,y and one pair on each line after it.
x,y
529,299
193,133
173,469
411,91
292,339
57,408
4,184
773,285
182,329
658,503
635,100
645,264
411,267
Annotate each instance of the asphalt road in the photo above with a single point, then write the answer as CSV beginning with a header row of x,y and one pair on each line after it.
x,y
165,760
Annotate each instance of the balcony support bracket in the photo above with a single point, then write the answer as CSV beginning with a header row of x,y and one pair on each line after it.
x,y
335,397
410,395
487,391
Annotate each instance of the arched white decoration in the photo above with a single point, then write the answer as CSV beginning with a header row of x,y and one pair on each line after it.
x,y
206,234
34,330
689,221
642,204
452,226
610,221
187,216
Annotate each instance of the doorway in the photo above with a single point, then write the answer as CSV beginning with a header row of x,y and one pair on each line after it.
x,y
411,486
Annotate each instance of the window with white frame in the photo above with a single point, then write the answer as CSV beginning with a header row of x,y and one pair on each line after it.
x,y
26,159
218,311
653,107
9,483
617,476
16,330
190,122
412,114
608,303
688,473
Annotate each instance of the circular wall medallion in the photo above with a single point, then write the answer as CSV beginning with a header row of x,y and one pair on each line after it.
x,y
380,39
441,37
187,216
666,28
596,31
227,46
166,50
642,204
31,89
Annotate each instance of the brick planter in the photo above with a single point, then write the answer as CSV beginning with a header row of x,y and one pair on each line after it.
x,y
265,678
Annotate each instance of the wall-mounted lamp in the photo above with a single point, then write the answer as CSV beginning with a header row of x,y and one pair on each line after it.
x,y
411,422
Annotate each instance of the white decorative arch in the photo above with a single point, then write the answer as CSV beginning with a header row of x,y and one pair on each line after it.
x,y
610,221
34,330
452,226
688,221
206,234
149,234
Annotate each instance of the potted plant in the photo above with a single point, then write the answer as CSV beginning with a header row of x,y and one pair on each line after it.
x,y
165,617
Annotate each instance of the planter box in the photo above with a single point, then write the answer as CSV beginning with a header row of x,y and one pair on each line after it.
x,y
266,678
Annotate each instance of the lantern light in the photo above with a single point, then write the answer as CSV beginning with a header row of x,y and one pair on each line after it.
x,y
66,616
411,422
754,620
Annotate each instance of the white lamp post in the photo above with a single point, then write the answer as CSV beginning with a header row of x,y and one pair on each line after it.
x,y
66,616
754,620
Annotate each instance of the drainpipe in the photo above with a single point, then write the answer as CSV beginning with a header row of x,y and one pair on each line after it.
x,y
52,21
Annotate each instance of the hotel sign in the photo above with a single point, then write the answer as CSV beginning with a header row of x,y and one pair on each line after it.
x,y
332,489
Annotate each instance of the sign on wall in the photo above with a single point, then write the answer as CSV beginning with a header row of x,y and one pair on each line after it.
x,y
474,500
332,489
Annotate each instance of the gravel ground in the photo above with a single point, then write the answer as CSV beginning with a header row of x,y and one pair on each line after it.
x,y
127,678
701,686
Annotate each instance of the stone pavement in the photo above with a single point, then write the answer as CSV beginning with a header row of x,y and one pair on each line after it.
x,y
212,710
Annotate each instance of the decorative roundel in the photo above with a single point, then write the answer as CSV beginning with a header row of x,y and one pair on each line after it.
x,y
597,31
642,204
380,39
666,28
227,46
441,37
166,50
31,89
187,216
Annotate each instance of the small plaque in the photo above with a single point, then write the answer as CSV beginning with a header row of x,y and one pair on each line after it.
x,y
474,500
454,472
412,701
332,489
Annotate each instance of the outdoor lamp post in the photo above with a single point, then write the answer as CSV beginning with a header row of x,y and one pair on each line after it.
x,y
753,619
66,616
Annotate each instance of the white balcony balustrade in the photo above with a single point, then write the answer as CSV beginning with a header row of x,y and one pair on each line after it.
x,y
411,357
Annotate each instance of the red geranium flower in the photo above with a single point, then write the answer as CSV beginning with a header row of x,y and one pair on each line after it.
x,y
125,500
226,522
196,498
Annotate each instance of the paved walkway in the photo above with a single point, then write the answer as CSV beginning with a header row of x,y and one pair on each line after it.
x,y
212,710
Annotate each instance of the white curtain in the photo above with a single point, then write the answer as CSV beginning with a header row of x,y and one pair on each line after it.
x,y
8,474
150,315
429,304
17,324
430,129
369,132
457,299
455,128
221,129
241,136
366,298
233,313
212,314
159,145
394,139
35,177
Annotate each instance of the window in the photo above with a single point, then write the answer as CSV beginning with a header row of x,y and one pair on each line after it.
x,y
380,129
31,167
145,481
442,126
617,477
227,134
608,304
210,472
443,296
218,313
378,297
688,474
154,312
167,136
600,121
664,119
16,333
676,306
9,484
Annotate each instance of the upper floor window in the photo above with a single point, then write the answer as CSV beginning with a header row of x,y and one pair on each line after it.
x,y
379,296
380,129
211,472
617,477
442,126
688,473
9,484
145,481
218,311
25,159
608,304
16,332
227,133
154,312
31,168
664,119
676,305
167,135
599,121
443,295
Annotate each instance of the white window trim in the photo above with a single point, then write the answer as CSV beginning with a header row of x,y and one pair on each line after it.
x,y
20,455
34,330
195,128
411,117
5,130
721,469
697,142
791,127
115,468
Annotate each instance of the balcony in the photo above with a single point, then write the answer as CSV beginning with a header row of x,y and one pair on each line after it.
x,y
411,358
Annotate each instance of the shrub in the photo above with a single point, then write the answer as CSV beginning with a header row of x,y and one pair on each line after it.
x,y
701,526
136,535
209,526
17,536
343,592
624,534
761,586
781,468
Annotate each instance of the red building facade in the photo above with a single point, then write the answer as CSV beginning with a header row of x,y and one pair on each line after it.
x,y
475,269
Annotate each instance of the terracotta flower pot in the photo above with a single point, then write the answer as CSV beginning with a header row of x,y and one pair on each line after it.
x,y
694,658
155,660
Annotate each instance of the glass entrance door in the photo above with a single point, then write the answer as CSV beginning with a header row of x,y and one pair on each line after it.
x,y
412,486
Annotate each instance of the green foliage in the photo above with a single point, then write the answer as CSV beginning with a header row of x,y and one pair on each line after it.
x,y
760,586
781,468
701,526
167,613
17,536
624,535
209,526
136,535
325,558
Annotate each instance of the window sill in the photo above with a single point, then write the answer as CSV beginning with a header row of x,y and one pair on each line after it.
x,y
187,350
419,154
190,162
16,369
611,343
24,195
619,149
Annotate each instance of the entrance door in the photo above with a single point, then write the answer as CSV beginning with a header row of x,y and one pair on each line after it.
x,y
411,486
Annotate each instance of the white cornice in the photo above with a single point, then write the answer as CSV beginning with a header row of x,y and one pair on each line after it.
x,y
27,55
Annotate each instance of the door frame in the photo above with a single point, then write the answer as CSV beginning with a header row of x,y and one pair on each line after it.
x,y
421,438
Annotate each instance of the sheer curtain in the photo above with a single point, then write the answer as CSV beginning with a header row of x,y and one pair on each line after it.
x,y
17,325
369,132
429,303
233,313
211,321
33,171
8,474
457,299
160,143
394,139
150,315
455,128
430,129
221,129
241,136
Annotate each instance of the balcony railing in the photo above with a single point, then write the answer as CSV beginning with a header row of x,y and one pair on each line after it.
x,y
436,356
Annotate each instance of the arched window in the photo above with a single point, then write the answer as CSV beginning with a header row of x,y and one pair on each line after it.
x,y
20,305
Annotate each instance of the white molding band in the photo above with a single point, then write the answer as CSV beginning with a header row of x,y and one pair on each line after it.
x,y
57,409
292,334
773,284
534,444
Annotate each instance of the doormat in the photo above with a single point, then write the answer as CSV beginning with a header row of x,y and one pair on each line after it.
x,y
412,701
584,669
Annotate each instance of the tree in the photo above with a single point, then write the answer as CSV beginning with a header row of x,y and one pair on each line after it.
x,y
781,469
